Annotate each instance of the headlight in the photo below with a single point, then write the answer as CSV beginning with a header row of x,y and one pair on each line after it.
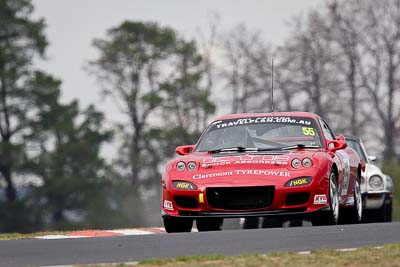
x,y
306,162
180,165
376,182
191,166
296,163
183,185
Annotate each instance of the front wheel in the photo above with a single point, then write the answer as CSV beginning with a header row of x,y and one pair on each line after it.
x,y
331,216
250,223
272,222
177,225
209,224
353,214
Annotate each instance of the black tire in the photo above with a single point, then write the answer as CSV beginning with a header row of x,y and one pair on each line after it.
x,y
388,211
353,214
296,223
331,216
272,222
177,225
250,223
209,224
383,214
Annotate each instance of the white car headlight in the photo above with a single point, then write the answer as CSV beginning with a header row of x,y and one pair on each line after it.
x,y
376,182
296,163
306,162
181,166
191,166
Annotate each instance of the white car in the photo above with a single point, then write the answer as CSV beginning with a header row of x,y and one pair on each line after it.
x,y
376,187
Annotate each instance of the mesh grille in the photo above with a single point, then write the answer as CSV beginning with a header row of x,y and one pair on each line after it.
x,y
240,198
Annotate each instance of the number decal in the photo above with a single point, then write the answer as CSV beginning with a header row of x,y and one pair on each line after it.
x,y
308,131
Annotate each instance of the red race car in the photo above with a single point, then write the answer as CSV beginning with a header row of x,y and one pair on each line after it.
x,y
271,165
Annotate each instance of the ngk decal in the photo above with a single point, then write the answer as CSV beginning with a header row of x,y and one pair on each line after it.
x,y
246,159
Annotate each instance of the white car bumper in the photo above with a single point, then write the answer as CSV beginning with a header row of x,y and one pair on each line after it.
x,y
374,199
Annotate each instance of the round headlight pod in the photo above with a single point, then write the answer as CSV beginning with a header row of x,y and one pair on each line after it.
x,y
181,165
296,163
307,162
376,182
191,166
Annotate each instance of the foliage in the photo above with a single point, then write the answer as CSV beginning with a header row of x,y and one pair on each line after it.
x,y
21,40
156,77
393,170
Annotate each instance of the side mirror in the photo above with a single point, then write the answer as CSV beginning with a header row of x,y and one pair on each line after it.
x,y
339,143
184,150
372,158
341,137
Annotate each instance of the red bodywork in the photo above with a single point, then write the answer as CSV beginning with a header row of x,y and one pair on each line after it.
x,y
226,184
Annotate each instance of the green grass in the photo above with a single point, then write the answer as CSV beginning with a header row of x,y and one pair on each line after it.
x,y
388,255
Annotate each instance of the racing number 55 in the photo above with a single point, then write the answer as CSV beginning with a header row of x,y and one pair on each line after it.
x,y
308,131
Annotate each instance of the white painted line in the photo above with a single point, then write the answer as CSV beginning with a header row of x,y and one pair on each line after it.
x,y
304,252
346,249
131,232
130,263
58,266
56,237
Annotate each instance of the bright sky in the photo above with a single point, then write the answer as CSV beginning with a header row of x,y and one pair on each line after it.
x,y
72,25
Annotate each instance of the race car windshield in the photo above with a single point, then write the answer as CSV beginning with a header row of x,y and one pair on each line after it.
x,y
260,134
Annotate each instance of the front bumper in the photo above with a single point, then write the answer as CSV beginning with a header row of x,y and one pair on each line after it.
x,y
299,213
375,199
297,202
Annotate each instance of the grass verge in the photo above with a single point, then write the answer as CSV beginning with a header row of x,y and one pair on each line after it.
x,y
388,255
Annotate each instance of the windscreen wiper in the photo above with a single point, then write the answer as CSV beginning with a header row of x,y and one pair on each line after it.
x,y
243,149
233,149
299,146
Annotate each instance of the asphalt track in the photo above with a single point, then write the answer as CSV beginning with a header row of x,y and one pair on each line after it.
x,y
34,252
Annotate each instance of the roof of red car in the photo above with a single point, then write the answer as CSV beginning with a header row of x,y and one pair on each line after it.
x,y
274,114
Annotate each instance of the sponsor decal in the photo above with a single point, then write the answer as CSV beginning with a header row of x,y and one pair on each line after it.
x,y
211,175
168,205
320,199
308,131
299,181
243,172
183,185
246,159
346,172
259,120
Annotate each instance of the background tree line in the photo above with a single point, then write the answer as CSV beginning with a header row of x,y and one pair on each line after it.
x,y
340,61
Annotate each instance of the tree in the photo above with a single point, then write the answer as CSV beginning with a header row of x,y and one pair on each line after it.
x,y
157,79
247,71
308,58
21,40
379,34
73,183
130,69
